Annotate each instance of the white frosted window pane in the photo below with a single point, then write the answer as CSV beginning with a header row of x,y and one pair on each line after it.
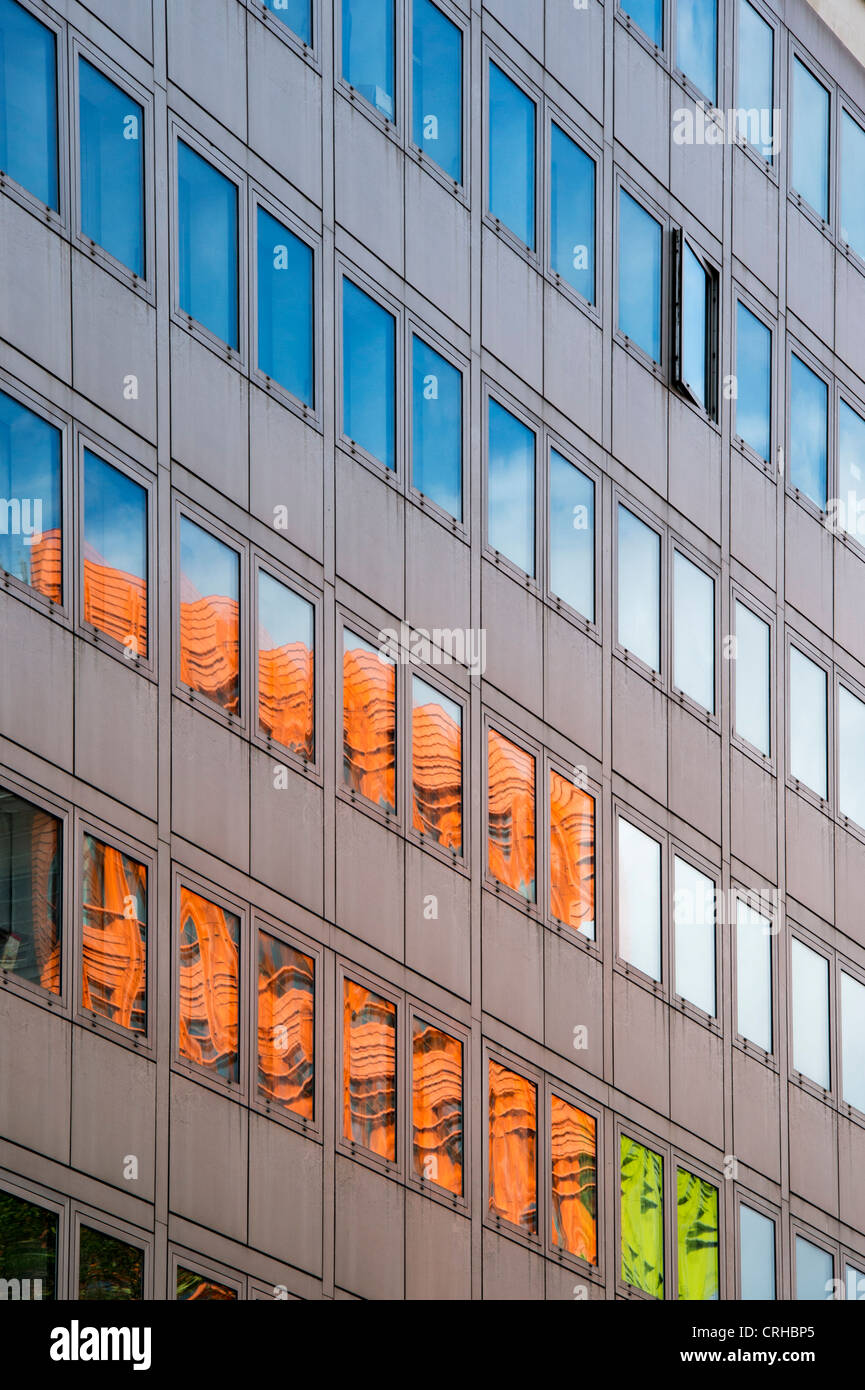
x,y
694,632
814,1271
752,679
851,756
754,976
639,589
853,1041
694,915
756,1254
808,722
639,900
811,1014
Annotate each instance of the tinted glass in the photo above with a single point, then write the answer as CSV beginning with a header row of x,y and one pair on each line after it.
x,y
639,276
28,102
756,1254
296,14
853,183
112,168
31,536
114,931
209,616
109,1270
572,213
513,1139
285,308
369,722
574,1180
572,535
810,172
512,156
28,1247
368,51
437,1106
753,381
855,1284
369,1070
752,678
808,723
286,1027
810,1014
642,1217
815,1270
853,1040
511,523
437,428
209,986
697,1237
572,855
756,79
511,815
195,1286
649,14
31,874
851,472
697,43
754,976
851,756
809,404
639,900
115,554
369,374
437,766
207,245
437,88
286,666
695,298
694,917
694,632
639,595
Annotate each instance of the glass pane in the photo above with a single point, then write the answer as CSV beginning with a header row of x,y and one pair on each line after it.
x,y
109,1269
851,469
853,1040
31,874
752,678
851,756
853,183
815,1271
296,14
809,398
810,139
511,811
697,43
572,535
285,308
808,723
642,1215
697,1237
810,1014
855,1284
191,1285
369,374
28,102
639,596
31,535
286,1026
639,276
512,156
114,930
695,299
369,1070
754,976
437,1106
574,1180
112,168
649,14
511,525
694,632
369,722
572,213
572,855
513,1148
207,245
753,381
28,1247
756,1254
694,916
368,51
209,616
437,428
209,985
115,554
286,666
437,88
639,899
437,766
755,84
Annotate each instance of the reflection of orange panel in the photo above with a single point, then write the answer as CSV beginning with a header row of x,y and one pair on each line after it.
x,y
209,650
45,851
437,1106
513,1147
511,800
369,726
574,1180
114,949
572,854
285,696
116,603
46,565
437,793
285,1026
369,1070
194,1286
209,981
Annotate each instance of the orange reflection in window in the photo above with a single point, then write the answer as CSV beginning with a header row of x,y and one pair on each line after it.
x,y
114,946
511,801
116,603
369,1070
209,982
285,696
437,767
572,855
194,1286
369,723
437,1106
286,984
46,564
574,1180
209,646
513,1148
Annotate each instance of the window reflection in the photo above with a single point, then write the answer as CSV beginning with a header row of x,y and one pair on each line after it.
x,y
810,139
649,14
511,472
693,631
115,554
285,307
853,183
697,1232
639,899
695,311
756,80
642,1217
114,932
694,916
368,56
853,1040
109,1270
511,814
369,722
191,1285
754,381
28,102
851,756
437,793
31,873
810,1013
369,374
112,168
754,976
815,1270
437,87
31,538
512,117
286,1019
209,985
808,723
369,1070
28,1246
437,1106
572,535
756,1255
209,617
572,855
639,276
851,470
574,1180
572,213
697,42
513,1194
207,245
639,590
295,14
809,423
752,678
437,428
286,666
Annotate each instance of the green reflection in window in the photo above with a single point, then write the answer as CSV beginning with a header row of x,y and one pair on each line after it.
x,y
109,1269
697,1236
642,1218
28,1249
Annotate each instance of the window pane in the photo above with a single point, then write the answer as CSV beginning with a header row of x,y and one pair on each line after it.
x,y
296,14
209,616
28,102
31,874
808,723
437,1106
639,596
368,51
209,985
437,766
572,535
511,528
694,915
809,398
112,168
851,756
369,722
649,14
115,554
851,466
642,1215
207,245
114,930
853,1040
694,632
756,1255
511,811
109,1269
810,1014
286,666
752,678
572,213
572,855
815,1270
437,88
513,1148
574,1181
31,536
512,156
191,1285
639,276
369,374
28,1246
855,1283
853,183
753,381
286,1026
639,899
437,428
755,85
754,976
697,1237
369,1070
697,42
810,139
695,298
285,308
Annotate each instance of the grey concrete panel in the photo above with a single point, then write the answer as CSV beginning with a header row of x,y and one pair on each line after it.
x,y
573,362
574,52
437,947
639,420
511,1272
209,1158
522,18
572,674
641,109
437,244
35,1107
753,815
573,998
513,965
755,219
512,310
695,468
286,840
756,1115
285,1194
437,575
115,339
206,57
113,1112
849,314
753,505
808,566
36,682
697,1078
695,772
851,1158
810,856
696,169
209,417
364,158
811,276
370,1232
285,111
286,471
118,754
849,609
366,506
514,638
34,290
849,877
210,785
437,1251
813,1151
369,880
641,1044
132,20
639,731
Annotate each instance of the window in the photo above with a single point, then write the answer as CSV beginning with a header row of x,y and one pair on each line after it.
x,y
191,1285
109,1269
31,523
114,936
512,119
642,1217
286,1027
31,892
511,815
572,213
28,1247
285,308
815,1269
810,1014
752,718
437,766
808,723
855,1284
853,183
369,1070
754,976
572,535
756,1255
809,431
639,276
851,466
753,382
209,617
437,88
697,1237
697,43
639,589
209,985
851,756
295,15
694,918
572,855
368,51
649,14
639,900
369,722
207,246
513,1139
286,667
437,1106
810,173
28,103
573,1180
115,554
853,1040
112,168
369,374
437,428
696,324
756,81
693,632
511,516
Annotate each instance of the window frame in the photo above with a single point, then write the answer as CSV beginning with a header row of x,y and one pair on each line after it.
x,y
845,106
62,811
679,1160
770,167
533,255
758,900
621,965
261,198
343,442
623,182
793,349
26,1189
799,1229
678,73
414,327
797,52
677,849
359,975
592,627
414,1009
287,935
107,1224
261,562
826,1094
493,722
710,717
310,53
679,240
844,966
59,219
533,583
762,315
461,190
740,595
828,804
203,1266
347,621
839,678
458,695
843,395
631,661
493,1051
555,115
395,129
552,1086
552,762
743,1197
638,1134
